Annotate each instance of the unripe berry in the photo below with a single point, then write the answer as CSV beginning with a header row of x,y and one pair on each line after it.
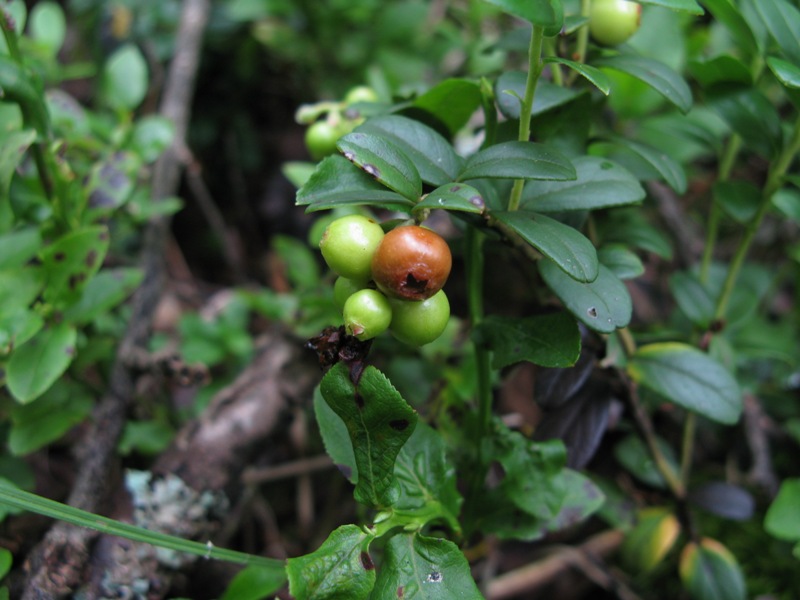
x,y
419,323
348,245
367,313
343,288
411,263
612,22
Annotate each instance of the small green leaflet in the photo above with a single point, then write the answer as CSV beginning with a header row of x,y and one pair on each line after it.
x,y
255,582
431,154
518,160
417,567
38,363
592,74
667,168
547,14
710,570
787,73
551,340
689,6
689,378
383,160
565,246
453,101
654,73
340,568
379,422
602,305
71,261
601,183
337,182
454,196
621,261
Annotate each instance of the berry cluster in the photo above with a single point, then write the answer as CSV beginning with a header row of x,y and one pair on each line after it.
x,y
388,281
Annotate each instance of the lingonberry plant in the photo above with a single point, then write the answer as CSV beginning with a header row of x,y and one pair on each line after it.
x,y
554,178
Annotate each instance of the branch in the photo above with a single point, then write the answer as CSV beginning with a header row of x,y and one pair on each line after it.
x,y
56,564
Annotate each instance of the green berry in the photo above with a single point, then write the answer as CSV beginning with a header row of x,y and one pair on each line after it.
x,y
348,245
321,138
612,22
343,288
360,93
419,323
367,313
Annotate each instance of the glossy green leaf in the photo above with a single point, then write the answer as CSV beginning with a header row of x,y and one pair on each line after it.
x,y
48,26
432,155
647,544
384,161
550,340
548,14
379,422
417,567
337,182
18,247
19,287
335,438
38,363
782,19
18,324
787,73
633,454
709,571
668,170
654,73
152,134
689,378
21,85
729,15
631,228
602,305
340,568
531,473
453,102
592,74
787,202
567,247
103,292
509,89
12,150
6,559
39,423
71,261
601,183
125,78
720,69
693,298
750,114
255,583
427,477
781,519
109,185
621,261
739,199
582,498
454,196
518,160
689,6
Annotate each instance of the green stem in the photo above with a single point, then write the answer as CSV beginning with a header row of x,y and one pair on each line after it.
x,y
725,167
774,181
534,70
475,273
555,68
10,35
583,33
489,113
687,448
56,510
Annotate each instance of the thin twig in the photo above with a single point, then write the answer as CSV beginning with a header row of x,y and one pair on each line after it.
x,y
287,470
532,576
56,565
